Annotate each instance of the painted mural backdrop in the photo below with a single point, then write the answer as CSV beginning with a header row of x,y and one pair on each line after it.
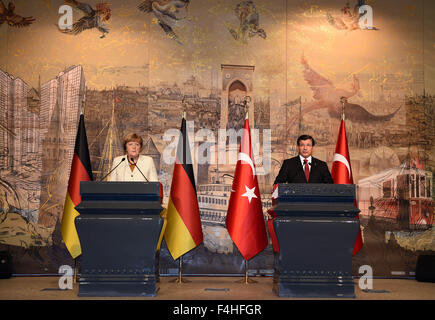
x,y
138,65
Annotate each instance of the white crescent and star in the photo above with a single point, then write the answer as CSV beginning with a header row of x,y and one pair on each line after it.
x,y
249,193
340,158
244,157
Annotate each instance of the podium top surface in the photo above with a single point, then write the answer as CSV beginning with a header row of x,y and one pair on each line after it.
x,y
119,188
100,198
295,199
316,190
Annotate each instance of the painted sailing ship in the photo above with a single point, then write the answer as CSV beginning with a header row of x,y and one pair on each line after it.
x,y
112,146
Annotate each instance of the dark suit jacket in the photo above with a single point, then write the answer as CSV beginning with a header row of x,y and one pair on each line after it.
x,y
292,171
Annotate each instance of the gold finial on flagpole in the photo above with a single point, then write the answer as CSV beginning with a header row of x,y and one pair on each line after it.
x,y
343,100
246,101
82,107
183,104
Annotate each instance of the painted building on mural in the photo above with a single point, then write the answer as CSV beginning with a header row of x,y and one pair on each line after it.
x,y
20,156
19,123
61,102
401,196
6,83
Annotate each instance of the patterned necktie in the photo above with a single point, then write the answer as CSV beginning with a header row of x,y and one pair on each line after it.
x,y
307,170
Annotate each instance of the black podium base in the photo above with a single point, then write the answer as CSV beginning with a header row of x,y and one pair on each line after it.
x,y
118,287
119,227
313,287
119,257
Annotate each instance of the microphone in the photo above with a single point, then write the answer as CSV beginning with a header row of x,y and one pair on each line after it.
x,y
132,161
113,169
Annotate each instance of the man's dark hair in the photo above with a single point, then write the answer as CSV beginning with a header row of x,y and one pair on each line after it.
x,y
306,137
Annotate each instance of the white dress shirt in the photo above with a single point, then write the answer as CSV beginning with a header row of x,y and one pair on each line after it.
x,y
124,173
302,161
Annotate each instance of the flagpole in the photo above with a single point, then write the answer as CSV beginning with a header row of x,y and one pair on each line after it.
x,y
75,271
180,278
246,280
246,101
300,115
343,100
82,108
337,177
177,238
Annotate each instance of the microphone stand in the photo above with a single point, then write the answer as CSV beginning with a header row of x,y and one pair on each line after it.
x,y
123,159
132,162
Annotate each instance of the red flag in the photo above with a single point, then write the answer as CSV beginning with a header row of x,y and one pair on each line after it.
x,y
244,221
342,172
271,218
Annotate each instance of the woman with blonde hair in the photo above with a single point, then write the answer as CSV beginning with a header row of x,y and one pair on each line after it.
x,y
133,166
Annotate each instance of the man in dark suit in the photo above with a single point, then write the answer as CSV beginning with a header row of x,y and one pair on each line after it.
x,y
304,168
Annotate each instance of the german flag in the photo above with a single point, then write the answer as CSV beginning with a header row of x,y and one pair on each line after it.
x,y
183,230
80,171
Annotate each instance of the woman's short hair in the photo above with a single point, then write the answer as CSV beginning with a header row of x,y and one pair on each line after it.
x,y
132,137
305,137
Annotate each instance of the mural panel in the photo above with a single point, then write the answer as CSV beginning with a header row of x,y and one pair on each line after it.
x,y
136,66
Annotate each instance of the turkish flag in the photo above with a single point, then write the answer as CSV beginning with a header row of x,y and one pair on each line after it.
x,y
342,172
245,221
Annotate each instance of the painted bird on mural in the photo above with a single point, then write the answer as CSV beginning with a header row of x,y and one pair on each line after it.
x,y
348,19
249,20
166,13
91,19
326,95
14,20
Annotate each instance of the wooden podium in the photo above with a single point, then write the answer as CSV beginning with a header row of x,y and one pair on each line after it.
x,y
316,230
119,227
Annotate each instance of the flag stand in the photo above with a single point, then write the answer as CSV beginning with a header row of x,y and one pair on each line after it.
x,y
246,280
75,271
180,278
